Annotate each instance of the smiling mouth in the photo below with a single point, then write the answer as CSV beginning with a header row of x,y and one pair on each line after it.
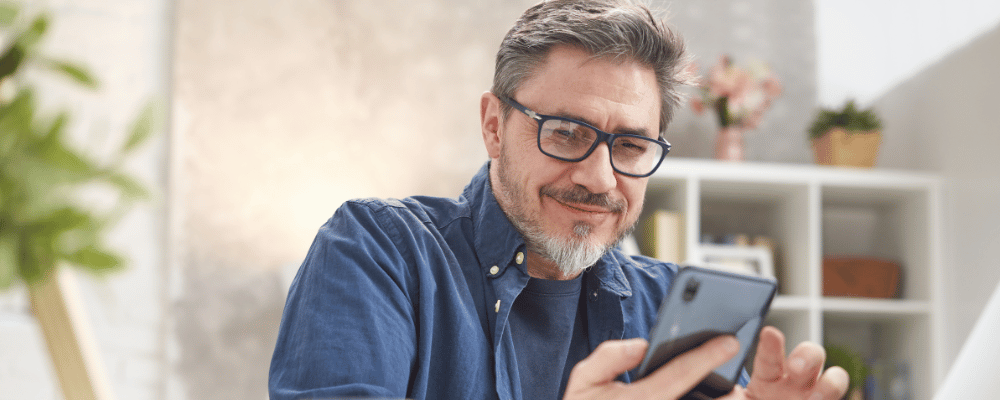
x,y
589,209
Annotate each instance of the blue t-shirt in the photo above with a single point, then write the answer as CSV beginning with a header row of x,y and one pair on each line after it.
x,y
550,335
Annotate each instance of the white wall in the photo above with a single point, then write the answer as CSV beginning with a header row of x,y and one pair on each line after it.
x,y
124,43
944,119
866,47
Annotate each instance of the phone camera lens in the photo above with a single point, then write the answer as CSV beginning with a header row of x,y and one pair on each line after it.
x,y
690,290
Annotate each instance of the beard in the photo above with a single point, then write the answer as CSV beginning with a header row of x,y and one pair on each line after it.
x,y
573,254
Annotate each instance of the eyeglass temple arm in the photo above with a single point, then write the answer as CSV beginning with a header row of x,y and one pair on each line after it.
x,y
531,114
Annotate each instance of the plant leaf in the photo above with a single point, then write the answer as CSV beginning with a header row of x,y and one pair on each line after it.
x,y
30,37
8,260
129,186
77,73
8,13
142,128
95,259
11,60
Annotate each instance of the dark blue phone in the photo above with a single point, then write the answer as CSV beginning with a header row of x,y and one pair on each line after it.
x,y
703,304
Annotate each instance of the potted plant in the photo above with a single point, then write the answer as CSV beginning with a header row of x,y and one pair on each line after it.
x,y
848,137
43,225
855,366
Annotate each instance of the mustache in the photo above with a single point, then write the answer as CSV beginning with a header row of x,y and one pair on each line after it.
x,y
580,195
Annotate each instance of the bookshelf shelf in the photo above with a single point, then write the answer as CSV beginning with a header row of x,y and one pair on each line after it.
x,y
874,307
809,212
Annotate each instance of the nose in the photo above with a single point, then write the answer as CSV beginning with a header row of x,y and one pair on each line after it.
x,y
595,172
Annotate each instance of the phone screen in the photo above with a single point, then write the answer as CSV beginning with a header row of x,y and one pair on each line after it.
x,y
703,304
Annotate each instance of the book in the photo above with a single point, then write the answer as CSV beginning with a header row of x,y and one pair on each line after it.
x,y
663,236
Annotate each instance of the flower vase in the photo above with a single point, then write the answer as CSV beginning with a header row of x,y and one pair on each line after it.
x,y
729,144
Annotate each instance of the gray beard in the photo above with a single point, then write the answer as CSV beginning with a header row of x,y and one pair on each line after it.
x,y
571,255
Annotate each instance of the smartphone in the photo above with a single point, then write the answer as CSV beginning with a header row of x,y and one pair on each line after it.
x,y
703,304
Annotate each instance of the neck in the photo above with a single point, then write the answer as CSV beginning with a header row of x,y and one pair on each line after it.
x,y
543,268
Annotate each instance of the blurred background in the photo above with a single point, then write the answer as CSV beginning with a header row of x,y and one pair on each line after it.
x,y
278,111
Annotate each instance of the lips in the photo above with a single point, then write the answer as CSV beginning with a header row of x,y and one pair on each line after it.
x,y
580,199
584,207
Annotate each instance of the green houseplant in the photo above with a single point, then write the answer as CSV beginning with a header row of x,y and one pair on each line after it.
x,y
848,136
855,366
43,223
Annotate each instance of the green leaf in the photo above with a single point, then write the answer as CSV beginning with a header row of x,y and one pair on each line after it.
x,y
8,260
11,60
95,259
129,186
142,128
53,150
60,220
30,37
16,116
36,256
77,73
8,13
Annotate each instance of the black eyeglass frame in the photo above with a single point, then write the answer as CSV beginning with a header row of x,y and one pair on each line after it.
x,y
602,137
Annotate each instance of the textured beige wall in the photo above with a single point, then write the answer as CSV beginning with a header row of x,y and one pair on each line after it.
x,y
283,110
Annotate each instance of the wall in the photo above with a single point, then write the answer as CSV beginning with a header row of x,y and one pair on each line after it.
x,y
124,43
283,110
944,120
778,32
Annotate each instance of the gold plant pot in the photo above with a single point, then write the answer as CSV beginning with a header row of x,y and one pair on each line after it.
x,y
841,147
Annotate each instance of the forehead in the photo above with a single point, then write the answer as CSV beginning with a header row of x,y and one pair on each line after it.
x,y
610,94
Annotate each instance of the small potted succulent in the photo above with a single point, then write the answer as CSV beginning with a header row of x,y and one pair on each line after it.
x,y
848,136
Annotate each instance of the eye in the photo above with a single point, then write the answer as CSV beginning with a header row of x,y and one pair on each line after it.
x,y
632,145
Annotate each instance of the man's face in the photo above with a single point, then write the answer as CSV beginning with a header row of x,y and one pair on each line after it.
x,y
583,204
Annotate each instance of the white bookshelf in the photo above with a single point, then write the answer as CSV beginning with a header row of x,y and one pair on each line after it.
x,y
812,211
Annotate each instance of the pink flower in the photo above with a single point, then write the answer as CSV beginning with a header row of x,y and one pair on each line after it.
x,y
747,92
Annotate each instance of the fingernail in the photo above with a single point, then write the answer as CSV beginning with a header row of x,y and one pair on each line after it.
x,y
816,396
797,365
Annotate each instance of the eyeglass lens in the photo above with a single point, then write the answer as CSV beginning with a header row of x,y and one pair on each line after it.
x,y
569,140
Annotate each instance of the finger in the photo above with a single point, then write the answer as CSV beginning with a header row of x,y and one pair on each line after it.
x,y
832,385
804,364
769,364
609,359
683,373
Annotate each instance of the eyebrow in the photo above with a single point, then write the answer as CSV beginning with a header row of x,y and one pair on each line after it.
x,y
620,131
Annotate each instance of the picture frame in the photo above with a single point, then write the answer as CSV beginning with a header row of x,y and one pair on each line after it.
x,y
748,260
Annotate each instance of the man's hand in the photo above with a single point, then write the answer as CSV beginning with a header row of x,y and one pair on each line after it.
x,y
797,377
594,376
775,377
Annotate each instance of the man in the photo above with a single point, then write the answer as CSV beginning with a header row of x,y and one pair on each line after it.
x,y
515,290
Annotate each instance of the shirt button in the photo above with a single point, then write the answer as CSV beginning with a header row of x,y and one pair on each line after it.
x,y
519,258
494,270
593,295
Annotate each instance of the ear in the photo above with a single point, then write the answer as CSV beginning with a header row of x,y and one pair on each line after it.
x,y
489,118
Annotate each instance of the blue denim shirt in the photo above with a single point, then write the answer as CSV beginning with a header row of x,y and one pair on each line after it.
x,y
400,298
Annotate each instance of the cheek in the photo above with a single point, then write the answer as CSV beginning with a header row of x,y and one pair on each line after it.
x,y
635,195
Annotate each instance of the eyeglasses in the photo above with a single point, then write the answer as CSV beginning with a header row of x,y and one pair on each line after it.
x,y
571,140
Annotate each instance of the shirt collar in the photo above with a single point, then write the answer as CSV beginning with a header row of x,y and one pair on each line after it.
x,y
497,242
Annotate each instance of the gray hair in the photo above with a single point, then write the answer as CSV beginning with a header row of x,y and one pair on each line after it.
x,y
619,30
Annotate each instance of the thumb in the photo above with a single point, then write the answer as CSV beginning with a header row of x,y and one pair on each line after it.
x,y
609,359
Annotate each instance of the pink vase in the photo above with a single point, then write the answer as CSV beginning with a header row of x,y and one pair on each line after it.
x,y
729,144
